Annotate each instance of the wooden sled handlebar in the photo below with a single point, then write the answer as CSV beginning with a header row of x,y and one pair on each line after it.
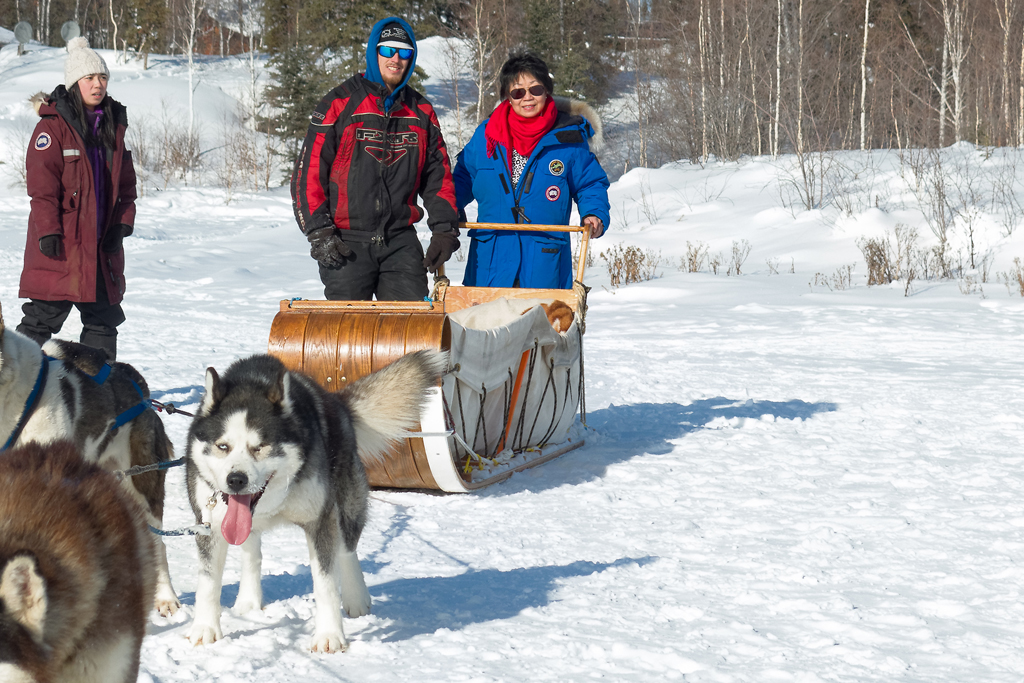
x,y
581,266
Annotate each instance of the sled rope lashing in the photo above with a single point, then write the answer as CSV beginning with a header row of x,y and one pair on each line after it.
x,y
141,469
520,433
194,530
449,424
471,453
549,384
168,408
481,425
30,403
566,399
532,357
523,362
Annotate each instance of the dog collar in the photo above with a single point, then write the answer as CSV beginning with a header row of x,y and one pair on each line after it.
x,y
30,403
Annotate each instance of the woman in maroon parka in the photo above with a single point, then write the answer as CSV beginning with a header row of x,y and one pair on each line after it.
x,y
82,185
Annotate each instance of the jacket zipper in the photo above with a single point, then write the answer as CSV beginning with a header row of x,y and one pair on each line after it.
x,y
378,235
525,179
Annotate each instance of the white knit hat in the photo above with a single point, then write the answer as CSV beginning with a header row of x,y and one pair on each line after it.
x,y
82,61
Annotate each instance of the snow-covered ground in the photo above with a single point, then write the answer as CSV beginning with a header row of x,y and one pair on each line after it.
x,y
782,481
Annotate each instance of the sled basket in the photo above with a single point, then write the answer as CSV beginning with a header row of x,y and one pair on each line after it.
x,y
509,399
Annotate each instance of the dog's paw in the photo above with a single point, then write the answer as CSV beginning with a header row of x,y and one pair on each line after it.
x,y
355,597
328,643
248,604
167,605
204,634
358,607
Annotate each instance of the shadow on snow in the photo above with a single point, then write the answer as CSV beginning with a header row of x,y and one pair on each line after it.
x,y
618,433
422,605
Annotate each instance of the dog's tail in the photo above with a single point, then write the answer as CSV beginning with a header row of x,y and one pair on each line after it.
x,y
386,405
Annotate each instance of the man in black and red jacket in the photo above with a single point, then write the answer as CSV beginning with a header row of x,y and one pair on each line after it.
x,y
372,146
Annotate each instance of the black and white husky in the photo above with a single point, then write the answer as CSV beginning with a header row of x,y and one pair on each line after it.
x,y
268,447
72,394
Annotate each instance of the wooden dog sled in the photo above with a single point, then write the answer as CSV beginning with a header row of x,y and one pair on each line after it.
x,y
510,398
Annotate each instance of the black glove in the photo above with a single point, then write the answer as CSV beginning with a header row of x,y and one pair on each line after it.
x,y
114,236
442,246
50,245
327,248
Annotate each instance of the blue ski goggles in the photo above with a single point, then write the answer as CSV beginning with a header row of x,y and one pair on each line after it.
x,y
387,52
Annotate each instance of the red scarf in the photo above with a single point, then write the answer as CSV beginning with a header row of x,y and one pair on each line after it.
x,y
518,133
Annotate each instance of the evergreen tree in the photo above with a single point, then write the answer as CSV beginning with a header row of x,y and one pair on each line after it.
x,y
301,80
147,21
314,45
574,38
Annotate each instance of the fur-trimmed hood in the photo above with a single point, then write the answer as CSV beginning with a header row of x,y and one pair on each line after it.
x,y
577,108
38,100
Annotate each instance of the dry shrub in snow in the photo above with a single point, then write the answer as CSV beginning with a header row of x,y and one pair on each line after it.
x,y
887,262
715,262
167,150
248,157
876,253
841,280
628,264
1014,278
740,252
17,140
696,254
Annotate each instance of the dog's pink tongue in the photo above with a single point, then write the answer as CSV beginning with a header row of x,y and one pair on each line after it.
x,y
237,524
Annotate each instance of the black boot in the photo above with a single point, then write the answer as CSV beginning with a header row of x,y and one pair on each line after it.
x,y
101,337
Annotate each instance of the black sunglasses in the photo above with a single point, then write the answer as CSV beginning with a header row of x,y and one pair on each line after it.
x,y
520,93
387,52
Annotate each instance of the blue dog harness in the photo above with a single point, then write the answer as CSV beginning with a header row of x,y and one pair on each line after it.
x,y
100,378
133,412
30,403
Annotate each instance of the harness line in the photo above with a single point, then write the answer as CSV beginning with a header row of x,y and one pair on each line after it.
x,y
140,469
194,530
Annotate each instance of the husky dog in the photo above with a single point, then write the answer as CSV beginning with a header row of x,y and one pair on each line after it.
x,y
268,447
76,570
72,393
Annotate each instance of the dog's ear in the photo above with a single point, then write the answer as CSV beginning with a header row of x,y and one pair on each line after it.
x,y
277,390
214,392
23,592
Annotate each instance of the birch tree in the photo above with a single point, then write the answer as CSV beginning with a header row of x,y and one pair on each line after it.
x,y
195,8
483,36
753,75
1020,101
778,82
957,25
1006,13
864,78
800,79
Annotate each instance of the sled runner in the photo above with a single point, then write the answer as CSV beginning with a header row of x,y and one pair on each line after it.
x,y
510,399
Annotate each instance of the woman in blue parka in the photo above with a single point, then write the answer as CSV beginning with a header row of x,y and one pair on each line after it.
x,y
526,164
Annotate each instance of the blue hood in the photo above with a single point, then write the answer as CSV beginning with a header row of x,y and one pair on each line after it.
x,y
373,70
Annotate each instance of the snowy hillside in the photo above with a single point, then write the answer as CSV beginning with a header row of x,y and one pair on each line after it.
x,y
788,475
